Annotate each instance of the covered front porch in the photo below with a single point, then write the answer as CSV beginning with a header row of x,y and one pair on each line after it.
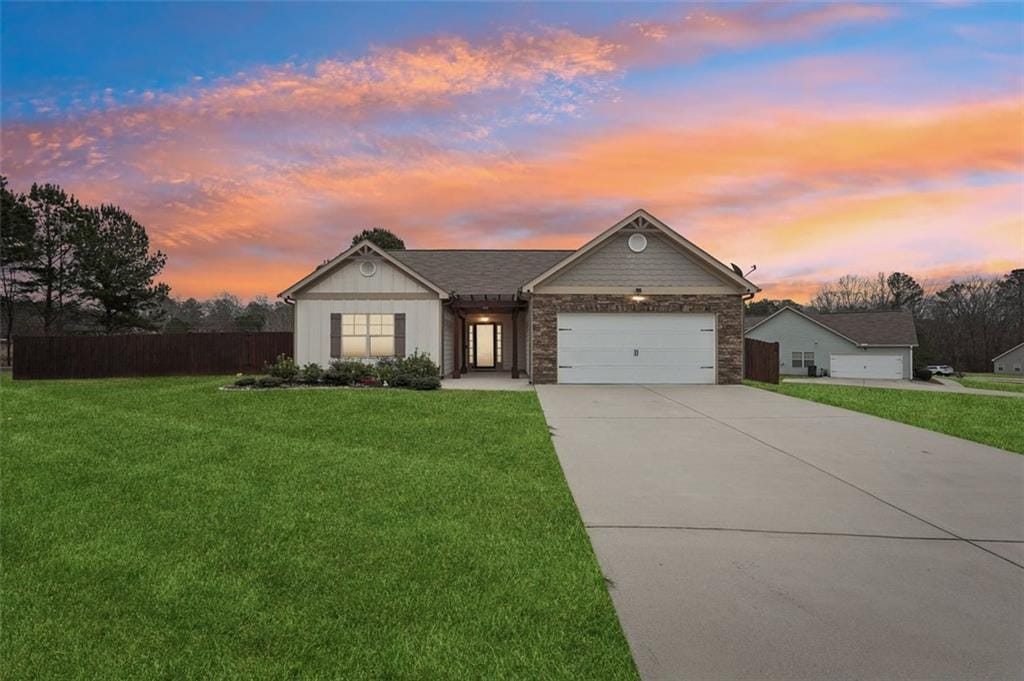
x,y
488,336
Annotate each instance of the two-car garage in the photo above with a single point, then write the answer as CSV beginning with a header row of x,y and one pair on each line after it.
x,y
636,347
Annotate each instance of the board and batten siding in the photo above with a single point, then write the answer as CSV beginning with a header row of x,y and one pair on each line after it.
x,y
448,363
794,333
613,264
348,279
339,292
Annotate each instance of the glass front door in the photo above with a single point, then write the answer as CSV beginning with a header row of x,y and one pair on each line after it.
x,y
484,346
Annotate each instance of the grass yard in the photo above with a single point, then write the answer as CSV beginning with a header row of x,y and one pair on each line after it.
x,y
161,528
1009,383
990,420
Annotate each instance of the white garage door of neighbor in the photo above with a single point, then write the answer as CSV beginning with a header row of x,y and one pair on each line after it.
x,y
636,348
866,366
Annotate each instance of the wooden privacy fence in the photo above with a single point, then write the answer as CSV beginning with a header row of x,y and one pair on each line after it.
x,y
760,361
147,354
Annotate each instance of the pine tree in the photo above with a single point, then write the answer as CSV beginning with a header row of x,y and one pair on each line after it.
x,y
115,270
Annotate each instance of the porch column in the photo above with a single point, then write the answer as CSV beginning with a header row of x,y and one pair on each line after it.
x,y
515,343
457,348
463,342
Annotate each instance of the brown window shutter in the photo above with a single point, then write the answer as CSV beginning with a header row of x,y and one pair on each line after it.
x,y
400,334
335,335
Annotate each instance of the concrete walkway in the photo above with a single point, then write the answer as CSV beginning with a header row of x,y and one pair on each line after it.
x,y
487,380
942,385
750,535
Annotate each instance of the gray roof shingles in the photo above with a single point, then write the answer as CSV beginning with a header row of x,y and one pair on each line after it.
x,y
891,327
480,272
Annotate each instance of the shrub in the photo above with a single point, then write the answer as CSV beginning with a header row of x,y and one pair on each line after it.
x,y
418,364
269,382
386,369
347,372
425,383
401,381
922,374
245,381
369,382
310,373
284,367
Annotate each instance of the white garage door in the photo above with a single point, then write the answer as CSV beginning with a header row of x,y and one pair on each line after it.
x,y
867,366
636,348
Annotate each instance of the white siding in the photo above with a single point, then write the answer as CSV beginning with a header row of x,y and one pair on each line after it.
x,y
313,325
795,333
660,264
348,279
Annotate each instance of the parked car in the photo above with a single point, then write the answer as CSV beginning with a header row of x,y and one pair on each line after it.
x,y
941,369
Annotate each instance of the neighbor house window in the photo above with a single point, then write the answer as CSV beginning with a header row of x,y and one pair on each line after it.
x,y
802,359
1016,367
1000,367
367,335
497,343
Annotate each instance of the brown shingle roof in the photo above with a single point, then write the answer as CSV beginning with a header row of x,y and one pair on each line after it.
x,y
893,327
470,272
750,321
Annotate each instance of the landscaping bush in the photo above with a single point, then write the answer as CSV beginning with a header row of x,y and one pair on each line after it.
x,y
425,383
401,381
922,374
284,367
310,373
245,381
370,382
418,364
269,382
386,369
347,372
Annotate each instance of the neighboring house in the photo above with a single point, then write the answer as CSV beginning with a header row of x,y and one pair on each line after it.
x,y
1010,362
845,345
637,304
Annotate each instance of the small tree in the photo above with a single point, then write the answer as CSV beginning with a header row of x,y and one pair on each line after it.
x,y
384,238
115,270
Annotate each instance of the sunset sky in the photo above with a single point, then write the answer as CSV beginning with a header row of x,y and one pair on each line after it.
x,y
253,140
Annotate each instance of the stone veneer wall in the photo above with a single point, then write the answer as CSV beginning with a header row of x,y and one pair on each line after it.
x,y
546,307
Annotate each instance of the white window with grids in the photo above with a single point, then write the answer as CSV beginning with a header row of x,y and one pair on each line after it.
x,y
803,359
367,335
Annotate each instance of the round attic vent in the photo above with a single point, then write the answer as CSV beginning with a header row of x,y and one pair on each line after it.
x,y
367,268
637,243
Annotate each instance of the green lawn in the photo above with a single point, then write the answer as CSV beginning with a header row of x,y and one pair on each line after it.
x,y
1008,383
987,419
160,528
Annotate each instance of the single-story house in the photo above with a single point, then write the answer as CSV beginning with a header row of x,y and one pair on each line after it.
x,y
1010,362
637,304
842,345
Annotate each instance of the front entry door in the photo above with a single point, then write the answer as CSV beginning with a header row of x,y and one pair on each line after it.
x,y
484,355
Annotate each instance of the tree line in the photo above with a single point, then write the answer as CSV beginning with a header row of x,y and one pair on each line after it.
x,y
964,323
75,266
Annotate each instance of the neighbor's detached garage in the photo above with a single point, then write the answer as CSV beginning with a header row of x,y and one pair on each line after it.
x,y
877,345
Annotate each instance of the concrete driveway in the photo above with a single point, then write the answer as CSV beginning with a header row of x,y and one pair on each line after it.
x,y
750,535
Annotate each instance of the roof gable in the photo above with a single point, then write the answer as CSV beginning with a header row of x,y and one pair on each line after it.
x,y
644,222
363,248
1013,349
661,263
